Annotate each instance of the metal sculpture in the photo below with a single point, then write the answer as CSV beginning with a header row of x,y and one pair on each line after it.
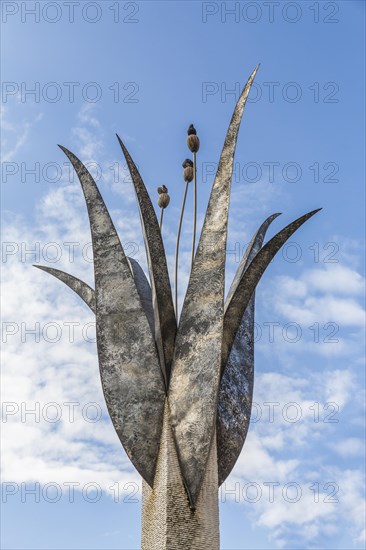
x,y
179,397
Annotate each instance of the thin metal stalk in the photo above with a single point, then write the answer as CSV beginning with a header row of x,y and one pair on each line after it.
x,y
194,208
177,252
161,218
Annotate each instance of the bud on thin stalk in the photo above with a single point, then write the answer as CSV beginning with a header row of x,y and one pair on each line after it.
x,y
193,143
188,177
163,202
194,208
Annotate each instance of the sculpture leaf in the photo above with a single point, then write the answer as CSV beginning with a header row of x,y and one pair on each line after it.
x,y
129,366
87,294
252,275
144,291
164,315
252,249
83,290
197,359
236,387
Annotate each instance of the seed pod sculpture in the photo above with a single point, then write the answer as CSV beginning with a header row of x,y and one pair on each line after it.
x,y
188,170
193,141
163,199
179,397
163,202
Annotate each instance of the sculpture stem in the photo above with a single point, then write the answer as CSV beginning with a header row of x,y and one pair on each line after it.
x,y
177,252
168,523
161,218
194,208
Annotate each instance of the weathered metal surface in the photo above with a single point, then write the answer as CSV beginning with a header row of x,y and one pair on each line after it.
x,y
129,366
241,297
87,294
164,315
252,249
144,291
197,361
83,290
236,387
235,396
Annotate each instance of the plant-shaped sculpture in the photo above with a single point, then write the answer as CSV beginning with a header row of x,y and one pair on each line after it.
x,y
179,397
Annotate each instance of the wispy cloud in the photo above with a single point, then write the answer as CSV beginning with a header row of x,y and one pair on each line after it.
x,y
15,136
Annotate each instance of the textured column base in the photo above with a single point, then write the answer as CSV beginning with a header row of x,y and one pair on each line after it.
x,y
168,523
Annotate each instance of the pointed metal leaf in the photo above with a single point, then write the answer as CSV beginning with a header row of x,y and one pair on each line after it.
x,y
197,360
241,297
164,315
236,387
83,290
235,396
252,249
144,291
87,294
129,366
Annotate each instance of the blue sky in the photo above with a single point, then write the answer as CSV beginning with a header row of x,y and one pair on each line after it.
x,y
147,70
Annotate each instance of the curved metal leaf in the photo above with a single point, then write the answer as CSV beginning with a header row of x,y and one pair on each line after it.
x,y
83,290
87,294
235,396
252,249
129,366
197,360
236,387
241,297
164,315
144,290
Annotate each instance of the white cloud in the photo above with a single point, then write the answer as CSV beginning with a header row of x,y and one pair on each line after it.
x,y
349,447
329,293
88,144
335,278
339,387
311,476
15,136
